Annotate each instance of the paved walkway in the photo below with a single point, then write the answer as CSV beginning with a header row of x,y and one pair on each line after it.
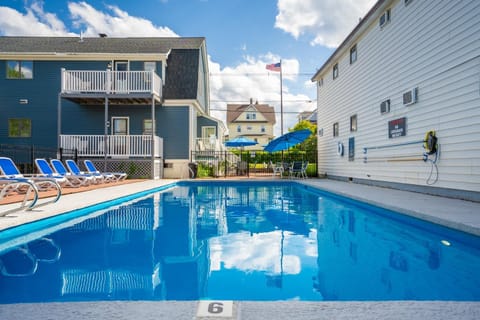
x,y
463,215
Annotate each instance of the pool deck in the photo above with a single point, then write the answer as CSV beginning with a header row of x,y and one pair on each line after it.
x,y
454,213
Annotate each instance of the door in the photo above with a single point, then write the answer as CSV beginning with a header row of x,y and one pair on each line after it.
x,y
120,136
121,76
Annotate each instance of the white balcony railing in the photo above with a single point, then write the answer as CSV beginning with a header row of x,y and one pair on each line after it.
x,y
115,82
117,145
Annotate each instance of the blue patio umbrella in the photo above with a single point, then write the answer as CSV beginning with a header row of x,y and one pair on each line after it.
x,y
288,140
240,142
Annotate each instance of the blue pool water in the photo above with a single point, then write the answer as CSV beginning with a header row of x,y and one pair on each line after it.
x,y
237,241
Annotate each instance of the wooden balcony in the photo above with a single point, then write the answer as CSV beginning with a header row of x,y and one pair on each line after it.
x,y
117,146
121,87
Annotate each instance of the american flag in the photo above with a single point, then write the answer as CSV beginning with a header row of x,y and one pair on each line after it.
x,y
274,67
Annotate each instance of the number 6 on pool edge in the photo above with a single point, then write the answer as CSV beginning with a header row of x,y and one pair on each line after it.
x,y
215,307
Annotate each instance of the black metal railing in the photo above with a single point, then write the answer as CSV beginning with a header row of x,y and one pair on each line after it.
x,y
24,155
248,163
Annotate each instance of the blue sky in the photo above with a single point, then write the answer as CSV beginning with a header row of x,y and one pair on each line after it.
x,y
242,37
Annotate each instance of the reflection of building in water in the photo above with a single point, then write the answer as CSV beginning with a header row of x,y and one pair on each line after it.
x,y
146,250
362,254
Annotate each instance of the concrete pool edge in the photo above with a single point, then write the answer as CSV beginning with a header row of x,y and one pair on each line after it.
x,y
251,310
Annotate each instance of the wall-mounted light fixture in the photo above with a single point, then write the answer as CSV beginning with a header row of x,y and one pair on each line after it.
x,y
23,101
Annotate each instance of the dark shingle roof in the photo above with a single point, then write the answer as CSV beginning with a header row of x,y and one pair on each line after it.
x,y
96,45
182,74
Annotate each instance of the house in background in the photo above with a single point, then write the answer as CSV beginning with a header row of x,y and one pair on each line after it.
x,y
122,102
254,121
408,68
310,116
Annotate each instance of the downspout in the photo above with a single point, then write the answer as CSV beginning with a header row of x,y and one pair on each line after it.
x,y
59,120
153,137
105,136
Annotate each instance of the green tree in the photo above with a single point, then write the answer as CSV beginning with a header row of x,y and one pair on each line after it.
x,y
309,145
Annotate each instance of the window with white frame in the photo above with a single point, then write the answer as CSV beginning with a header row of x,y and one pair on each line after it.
x,y
335,71
353,54
384,18
336,129
263,129
239,128
251,115
353,123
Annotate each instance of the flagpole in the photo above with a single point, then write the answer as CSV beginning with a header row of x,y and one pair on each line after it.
x,y
281,99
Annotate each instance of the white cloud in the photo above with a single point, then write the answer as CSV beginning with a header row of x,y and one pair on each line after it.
x,y
117,24
35,22
260,252
232,84
250,79
328,22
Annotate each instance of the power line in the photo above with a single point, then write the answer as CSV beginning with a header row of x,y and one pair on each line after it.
x,y
263,112
243,101
260,74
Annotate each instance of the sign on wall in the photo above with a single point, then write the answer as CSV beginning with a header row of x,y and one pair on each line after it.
x,y
397,128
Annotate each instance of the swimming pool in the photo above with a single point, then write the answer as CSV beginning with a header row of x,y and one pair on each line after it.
x,y
238,241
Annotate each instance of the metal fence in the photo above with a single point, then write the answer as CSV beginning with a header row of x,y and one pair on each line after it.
x,y
24,155
248,163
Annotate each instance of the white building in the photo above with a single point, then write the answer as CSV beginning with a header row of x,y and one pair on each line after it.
x,y
408,67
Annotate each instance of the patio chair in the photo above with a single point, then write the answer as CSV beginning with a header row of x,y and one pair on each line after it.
x,y
45,170
59,168
277,169
75,169
26,184
295,169
116,176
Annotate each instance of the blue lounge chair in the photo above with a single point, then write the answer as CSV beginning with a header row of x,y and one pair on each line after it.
x,y
117,176
26,184
59,168
64,180
74,169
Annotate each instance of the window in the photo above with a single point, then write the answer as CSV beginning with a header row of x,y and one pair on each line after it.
x,y
353,123
320,82
239,128
19,70
384,18
147,126
335,71
149,66
335,129
251,116
263,128
385,106
249,128
19,128
353,54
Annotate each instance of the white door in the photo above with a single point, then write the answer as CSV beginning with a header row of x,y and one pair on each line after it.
x,y
120,136
121,78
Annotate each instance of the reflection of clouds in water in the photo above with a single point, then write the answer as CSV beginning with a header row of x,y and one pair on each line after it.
x,y
311,248
258,252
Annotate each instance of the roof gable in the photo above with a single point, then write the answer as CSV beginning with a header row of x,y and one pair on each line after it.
x,y
235,110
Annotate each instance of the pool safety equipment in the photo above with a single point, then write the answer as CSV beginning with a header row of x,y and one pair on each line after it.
x,y
431,146
340,149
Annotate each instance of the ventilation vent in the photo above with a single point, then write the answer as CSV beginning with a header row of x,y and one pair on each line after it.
x,y
410,97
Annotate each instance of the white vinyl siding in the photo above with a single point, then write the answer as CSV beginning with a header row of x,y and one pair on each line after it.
x,y
432,45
